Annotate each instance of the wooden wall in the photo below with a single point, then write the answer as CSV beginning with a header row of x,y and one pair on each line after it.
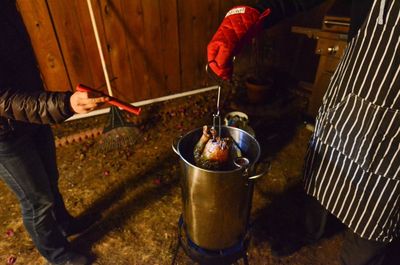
x,y
153,47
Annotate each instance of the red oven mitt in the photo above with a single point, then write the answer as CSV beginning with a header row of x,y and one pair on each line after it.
x,y
239,26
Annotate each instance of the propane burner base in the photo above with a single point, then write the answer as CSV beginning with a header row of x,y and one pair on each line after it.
x,y
210,257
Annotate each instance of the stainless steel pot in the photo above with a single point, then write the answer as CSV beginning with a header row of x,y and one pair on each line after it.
x,y
216,204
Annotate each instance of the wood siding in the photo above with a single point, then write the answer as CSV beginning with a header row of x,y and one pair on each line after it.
x,y
44,42
153,47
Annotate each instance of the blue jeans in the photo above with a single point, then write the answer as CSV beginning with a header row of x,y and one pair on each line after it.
x,y
28,167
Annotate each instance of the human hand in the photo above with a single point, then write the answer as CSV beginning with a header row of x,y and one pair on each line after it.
x,y
84,102
239,26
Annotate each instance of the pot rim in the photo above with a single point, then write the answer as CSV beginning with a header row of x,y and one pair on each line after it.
x,y
219,171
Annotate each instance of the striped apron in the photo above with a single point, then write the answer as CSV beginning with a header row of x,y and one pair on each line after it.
x,y
353,161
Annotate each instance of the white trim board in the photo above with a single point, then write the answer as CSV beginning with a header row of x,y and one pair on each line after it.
x,y
145,102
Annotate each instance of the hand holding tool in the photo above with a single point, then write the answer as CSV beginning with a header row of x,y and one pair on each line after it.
x,y
113,100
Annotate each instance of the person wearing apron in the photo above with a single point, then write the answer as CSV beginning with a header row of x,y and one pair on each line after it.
x,y
352,166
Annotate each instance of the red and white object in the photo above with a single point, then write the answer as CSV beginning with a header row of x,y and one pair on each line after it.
x,y
113,101
238,27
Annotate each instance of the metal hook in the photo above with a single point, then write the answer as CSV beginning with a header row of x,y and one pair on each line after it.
x,y
216,116
220,82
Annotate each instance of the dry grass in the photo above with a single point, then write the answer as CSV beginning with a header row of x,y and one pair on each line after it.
x,y
136,190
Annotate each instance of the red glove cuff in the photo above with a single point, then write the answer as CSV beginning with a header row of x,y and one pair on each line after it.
x,y
238,27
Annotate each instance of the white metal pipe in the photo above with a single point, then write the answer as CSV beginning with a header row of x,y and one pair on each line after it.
x,y
145,102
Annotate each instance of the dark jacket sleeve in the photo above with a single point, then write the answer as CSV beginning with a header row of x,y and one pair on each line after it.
x,y
35,107
22,97
281,9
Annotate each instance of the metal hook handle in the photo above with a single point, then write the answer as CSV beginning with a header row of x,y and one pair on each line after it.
x,y
265,168
174,144
217,117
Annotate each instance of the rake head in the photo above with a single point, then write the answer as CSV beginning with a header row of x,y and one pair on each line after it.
x,y
119,133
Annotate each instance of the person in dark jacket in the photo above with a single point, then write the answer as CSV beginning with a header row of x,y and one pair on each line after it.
x,y
27,151
352,167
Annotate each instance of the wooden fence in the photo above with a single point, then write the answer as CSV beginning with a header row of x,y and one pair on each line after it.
x,y
152,47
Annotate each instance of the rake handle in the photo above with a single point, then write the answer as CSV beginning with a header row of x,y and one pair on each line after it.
x,y
113,101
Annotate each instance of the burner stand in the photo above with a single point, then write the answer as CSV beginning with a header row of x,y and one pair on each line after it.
x,y
210,257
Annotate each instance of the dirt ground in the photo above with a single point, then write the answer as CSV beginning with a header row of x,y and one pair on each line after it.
x,y
136,190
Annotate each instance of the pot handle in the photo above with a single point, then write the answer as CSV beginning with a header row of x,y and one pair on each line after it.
x,y
265,168
175,144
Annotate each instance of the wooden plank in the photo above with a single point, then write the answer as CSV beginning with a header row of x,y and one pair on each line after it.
x,y
89,41
196,27
66,20
44,42
186,41
152,49
115,33
318,33
137,48
152,40
154,46
170,47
